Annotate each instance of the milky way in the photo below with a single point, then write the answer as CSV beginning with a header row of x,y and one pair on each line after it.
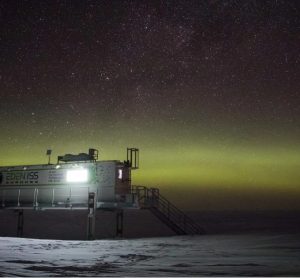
x,y
208,90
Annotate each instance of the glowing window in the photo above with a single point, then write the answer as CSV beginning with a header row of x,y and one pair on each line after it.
x,y
78,175
120,176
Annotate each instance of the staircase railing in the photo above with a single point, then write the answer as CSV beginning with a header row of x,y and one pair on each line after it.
x,y
150,198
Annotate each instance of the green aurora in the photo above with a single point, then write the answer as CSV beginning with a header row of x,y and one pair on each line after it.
x,y
205,174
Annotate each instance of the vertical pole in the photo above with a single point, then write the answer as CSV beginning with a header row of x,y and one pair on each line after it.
x,y
3,198
49,155
33,204
119,226
70,198
19,197
91,216
36,196
20,223
53,197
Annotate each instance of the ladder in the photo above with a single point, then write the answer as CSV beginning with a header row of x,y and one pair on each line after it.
x,y
164,210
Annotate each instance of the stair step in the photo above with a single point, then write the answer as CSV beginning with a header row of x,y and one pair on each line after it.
x,y
176,228
174,218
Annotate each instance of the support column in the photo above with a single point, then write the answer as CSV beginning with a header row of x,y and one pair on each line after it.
x,y
91,216
20,223
119,220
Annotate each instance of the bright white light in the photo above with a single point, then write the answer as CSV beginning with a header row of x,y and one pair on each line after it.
x,y
120,174
78,175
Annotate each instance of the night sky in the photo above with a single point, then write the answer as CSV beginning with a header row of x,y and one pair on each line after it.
x,y
208,90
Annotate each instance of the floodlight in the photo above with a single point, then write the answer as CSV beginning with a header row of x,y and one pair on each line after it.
x,y
78,175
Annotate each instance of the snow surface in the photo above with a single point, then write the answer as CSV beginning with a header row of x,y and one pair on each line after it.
x,y
209,255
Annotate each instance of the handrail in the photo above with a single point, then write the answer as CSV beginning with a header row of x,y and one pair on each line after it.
x,y
33,197
152,199
175,208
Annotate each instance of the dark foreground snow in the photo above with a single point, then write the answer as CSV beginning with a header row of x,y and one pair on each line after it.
x,y
210,255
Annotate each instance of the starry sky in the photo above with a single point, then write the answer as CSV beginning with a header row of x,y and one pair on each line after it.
x,y
207,90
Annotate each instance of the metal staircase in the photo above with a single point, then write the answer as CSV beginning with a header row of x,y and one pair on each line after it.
x,y
174,218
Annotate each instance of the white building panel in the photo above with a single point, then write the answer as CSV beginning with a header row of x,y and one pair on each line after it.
x,y
62,184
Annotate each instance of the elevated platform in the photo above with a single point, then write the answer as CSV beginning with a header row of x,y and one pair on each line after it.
x,y
141,197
